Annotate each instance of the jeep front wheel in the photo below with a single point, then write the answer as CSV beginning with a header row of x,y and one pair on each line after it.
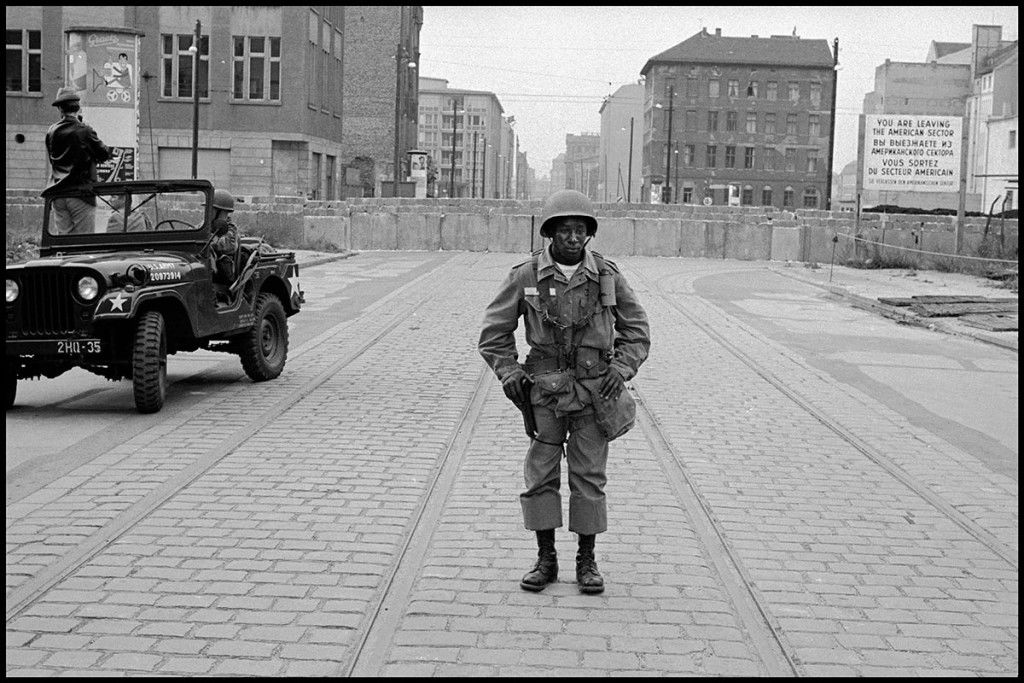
x,y
264,348
149,363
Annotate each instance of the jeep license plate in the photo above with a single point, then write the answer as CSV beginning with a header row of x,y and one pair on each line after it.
x,y
79,347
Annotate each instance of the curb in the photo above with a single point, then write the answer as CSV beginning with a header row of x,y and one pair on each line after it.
x,y
895,313
327,258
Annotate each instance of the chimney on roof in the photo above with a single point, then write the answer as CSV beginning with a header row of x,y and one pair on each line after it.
x,y
718,32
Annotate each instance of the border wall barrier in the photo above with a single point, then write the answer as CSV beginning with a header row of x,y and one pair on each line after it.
x,y
743,233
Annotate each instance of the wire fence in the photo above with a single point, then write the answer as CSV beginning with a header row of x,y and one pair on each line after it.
x,y
862,240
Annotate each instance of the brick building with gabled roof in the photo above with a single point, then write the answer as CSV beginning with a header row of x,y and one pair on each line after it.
x,y
750,121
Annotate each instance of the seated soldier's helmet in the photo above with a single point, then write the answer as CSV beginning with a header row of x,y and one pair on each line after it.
x,y
222,199
567,203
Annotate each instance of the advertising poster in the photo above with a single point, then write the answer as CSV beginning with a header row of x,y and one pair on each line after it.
x,y
418,171
912,153
102,66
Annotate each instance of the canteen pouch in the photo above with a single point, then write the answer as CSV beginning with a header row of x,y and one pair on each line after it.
x,y
616,416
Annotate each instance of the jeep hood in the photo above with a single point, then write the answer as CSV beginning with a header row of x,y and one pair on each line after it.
x,y
109,264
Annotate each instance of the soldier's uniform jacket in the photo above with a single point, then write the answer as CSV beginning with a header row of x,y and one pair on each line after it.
x,y
74,150
224,245
573,336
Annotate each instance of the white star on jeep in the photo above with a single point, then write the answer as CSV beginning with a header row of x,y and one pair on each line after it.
x,y
293,281
117,303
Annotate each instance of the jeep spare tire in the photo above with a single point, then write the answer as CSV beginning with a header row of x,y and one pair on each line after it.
x,y
264,348
149,363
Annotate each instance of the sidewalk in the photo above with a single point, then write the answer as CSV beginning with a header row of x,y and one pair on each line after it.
x,y
863,287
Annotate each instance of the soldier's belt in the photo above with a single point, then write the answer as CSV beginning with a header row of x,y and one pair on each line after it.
x,y
590,363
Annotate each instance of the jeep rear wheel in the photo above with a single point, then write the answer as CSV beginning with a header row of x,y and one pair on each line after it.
x,y
264,348
149,363
11,383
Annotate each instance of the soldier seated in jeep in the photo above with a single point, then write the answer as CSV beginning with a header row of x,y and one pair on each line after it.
x,y
224,242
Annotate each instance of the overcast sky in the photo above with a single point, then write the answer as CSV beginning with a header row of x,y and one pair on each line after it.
x,y
551,66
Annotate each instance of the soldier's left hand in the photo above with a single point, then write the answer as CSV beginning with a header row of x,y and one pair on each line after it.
x,y
612,384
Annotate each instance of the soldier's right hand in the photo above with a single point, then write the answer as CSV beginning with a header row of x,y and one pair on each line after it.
x,y
512,385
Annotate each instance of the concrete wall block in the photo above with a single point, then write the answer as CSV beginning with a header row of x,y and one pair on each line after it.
x,y
416,232
659,237
327,231
692,238
786,243
747,242
510,233
464,232
280,229
615,237
714,239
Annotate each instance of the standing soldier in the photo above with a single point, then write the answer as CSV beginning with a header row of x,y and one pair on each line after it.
x,y
73,149
588,335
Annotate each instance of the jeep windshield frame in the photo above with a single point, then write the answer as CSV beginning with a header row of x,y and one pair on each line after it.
x,y
162,215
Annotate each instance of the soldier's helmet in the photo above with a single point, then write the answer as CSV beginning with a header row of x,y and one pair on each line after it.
x,y
222,199
66,94
567,203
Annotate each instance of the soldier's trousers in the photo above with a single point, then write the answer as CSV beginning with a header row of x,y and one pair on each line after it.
x,y
586,454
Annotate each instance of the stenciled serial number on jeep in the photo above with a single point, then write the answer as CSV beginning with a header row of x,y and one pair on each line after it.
x,y
77,346
164,275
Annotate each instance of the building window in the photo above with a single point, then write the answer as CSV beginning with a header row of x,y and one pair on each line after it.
x,y
769,158
769,124
257,68
812,161
752,89
730,156
748,157
734,87
772,90
790,158
178,79
766,196
1009,200
713,88
787,198
730,120
790,124
688,154
712,157
810,198
24,61
713,122
687,194
1013,139
691,119
751,122
691,87
816,94
814,125
794,91
747,196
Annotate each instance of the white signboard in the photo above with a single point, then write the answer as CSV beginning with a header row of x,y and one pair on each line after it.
x,y
912,153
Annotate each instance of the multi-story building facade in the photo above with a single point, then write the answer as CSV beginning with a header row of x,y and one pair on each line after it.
x,y
992,168
272,84
750,121
559,179
622,114
956,79
582,163
464,131
381,88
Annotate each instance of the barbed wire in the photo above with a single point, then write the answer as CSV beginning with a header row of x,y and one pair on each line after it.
x,y
922,251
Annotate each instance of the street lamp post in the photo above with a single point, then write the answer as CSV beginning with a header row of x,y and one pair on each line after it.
x,y
195,100
400,57
483,171
474,164
629,178
455,120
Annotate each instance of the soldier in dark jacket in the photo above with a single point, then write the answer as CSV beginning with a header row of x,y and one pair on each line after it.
x,y
588,335
73,149
224,239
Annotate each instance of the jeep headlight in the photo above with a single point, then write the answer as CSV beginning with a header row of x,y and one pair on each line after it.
x,y
12,290
88,288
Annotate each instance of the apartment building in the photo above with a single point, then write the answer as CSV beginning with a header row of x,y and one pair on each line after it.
x,y
583,163
622,116
467,137
750,121
272,83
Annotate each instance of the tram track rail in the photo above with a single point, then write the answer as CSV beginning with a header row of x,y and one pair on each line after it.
x,y
26,593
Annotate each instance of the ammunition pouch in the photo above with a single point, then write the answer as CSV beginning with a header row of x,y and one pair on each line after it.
x,y
615,416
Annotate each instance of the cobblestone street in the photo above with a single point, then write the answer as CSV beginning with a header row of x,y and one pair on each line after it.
x,y
359,516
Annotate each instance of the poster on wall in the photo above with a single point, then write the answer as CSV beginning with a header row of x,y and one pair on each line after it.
x,y
912,153
418,171
102,66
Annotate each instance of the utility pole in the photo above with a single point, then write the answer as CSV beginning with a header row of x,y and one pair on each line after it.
x,y
451,181
483,172
832,126
474,164
629,178
398,107
195,101
668,147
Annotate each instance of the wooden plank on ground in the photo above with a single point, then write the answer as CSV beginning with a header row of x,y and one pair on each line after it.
x,y
936,310
895,300
993,322
957,299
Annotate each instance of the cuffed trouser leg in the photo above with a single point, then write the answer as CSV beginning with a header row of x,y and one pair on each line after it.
x,y
587,456
542,501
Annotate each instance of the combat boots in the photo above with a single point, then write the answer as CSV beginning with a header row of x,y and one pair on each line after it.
x,y
588,579
546,569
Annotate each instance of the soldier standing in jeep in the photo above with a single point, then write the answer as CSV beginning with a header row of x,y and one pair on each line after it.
x,y
73,149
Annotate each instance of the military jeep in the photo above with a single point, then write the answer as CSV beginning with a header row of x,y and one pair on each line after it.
x,y
125,278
